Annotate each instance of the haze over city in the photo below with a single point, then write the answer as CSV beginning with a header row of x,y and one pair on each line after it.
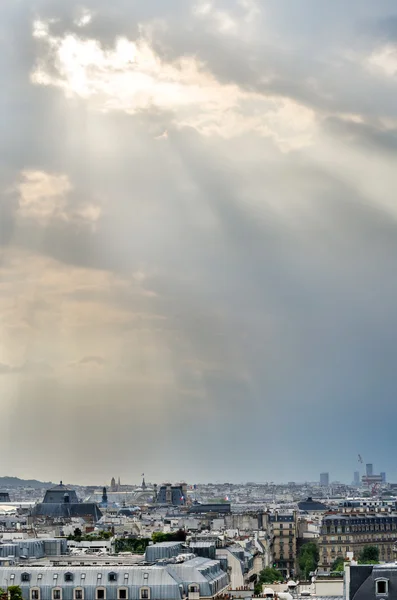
x,y
198,239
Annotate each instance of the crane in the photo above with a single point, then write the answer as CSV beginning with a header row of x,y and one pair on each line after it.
x,y
360,460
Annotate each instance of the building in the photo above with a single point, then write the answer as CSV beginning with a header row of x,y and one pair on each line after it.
x,y
371,479
371,582
383,476
221,507
27,549
324,479
342,533
284,540
356,480
61,503
369,469
193,579
4,497
60,494
175,495
312,506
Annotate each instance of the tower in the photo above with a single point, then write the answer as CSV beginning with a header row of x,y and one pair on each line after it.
x,y
104,497
369,469
143,482
324,479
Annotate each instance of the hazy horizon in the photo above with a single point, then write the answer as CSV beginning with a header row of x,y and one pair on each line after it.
x,y
198,239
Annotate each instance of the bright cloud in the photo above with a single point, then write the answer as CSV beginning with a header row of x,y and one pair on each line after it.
x,y
43,197
384,60
131,77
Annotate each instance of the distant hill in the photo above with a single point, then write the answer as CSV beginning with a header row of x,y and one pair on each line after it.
x,y
13,482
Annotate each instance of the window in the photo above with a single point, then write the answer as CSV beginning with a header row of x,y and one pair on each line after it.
x,y
78,594
381,586
68,576
25,577
112,576
100,594
123,594
56,594
145,594
193,588
35,594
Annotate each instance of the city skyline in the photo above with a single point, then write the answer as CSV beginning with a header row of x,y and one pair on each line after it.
x,y
198,235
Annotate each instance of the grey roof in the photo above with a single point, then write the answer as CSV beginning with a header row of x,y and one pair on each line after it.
x,y
163,550
310,505
363,578
358,518
34,548
58,493
66,510
166,583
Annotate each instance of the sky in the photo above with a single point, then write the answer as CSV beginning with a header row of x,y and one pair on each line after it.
x,y
198,239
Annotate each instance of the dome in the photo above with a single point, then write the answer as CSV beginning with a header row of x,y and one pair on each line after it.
x,y
268,592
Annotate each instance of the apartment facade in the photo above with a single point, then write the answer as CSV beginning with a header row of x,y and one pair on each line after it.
x,y
342,533
284,531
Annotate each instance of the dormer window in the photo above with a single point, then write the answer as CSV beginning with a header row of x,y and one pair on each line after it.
x,y
25,577
112,576
382,587
68,576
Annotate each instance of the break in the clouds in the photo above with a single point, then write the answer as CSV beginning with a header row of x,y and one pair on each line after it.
x,y
198,238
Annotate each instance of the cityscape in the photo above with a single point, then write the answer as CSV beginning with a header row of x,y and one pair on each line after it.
x,y
198,301
185,540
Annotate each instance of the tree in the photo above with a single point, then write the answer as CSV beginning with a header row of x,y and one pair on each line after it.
x,y
267,575
338,565
369,556
15,592
308,559
177,536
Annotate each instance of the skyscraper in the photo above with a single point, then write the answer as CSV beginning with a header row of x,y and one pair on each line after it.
x,y
369,469
356,479
324,479
383,475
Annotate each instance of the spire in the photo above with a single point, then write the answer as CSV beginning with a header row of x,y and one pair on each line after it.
x,y
143,482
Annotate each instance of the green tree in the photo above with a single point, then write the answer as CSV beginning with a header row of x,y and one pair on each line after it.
x,y
176,536
15,592
308,559
369,556
134,545
267,575
338,565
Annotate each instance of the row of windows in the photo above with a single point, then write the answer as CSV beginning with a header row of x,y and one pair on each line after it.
x,y
69,576
353,528
100,593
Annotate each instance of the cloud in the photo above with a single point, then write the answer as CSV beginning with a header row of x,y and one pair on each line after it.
x,y
233,275
87,361
43,197
131,77
384,60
